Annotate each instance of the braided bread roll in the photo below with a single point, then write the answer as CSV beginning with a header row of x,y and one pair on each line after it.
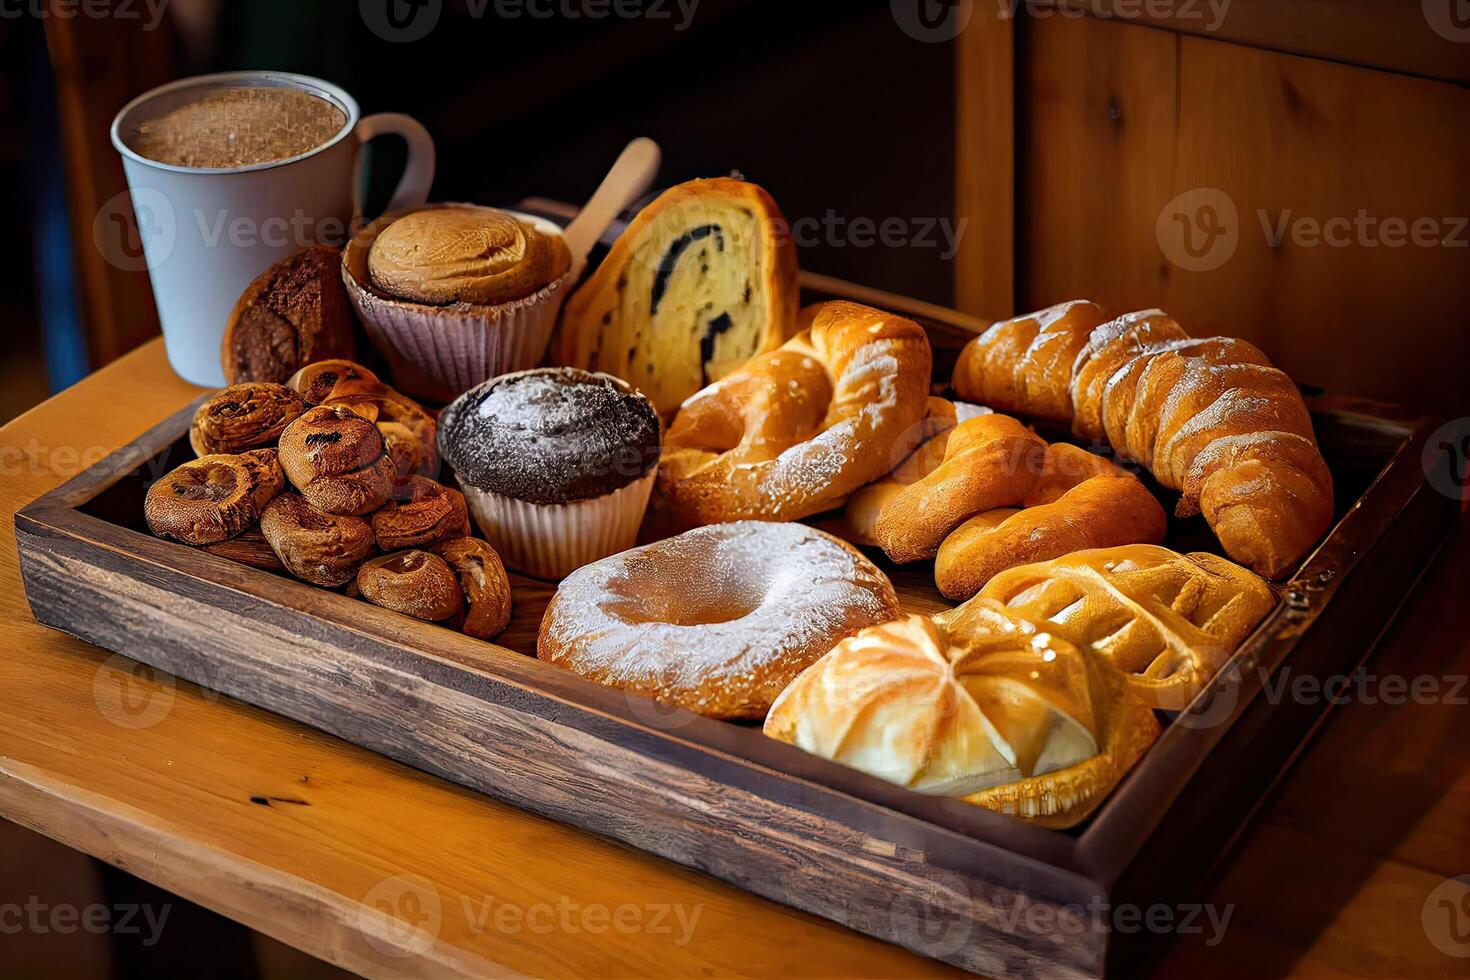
x,y
1209,417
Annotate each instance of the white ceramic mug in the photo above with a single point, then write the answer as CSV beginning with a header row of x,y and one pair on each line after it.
x,y
207,232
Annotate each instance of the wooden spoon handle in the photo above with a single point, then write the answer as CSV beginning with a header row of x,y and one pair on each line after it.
x,y
628,179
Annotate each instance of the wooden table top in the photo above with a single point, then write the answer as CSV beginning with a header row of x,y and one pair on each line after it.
x,y
382,869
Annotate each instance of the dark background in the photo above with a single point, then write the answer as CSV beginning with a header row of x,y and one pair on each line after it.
x,y
829,105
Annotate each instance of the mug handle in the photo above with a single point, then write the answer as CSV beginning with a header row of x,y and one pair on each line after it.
x,y
418,174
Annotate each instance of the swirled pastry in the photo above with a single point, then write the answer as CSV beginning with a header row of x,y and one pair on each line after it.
x,y
702,280
1168,621
976,703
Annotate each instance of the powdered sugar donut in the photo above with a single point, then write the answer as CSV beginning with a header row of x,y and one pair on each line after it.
x,y
717,620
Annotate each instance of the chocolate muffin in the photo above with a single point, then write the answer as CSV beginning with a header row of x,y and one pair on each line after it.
x,y
556,464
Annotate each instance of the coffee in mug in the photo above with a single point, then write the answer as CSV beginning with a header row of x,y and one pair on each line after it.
x,y
238,127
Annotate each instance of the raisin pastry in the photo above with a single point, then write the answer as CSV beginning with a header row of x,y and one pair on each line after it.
x,y
244,416
337,460
702,280
317,547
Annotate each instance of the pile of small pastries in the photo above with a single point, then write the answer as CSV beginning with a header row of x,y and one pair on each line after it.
x,y
717,478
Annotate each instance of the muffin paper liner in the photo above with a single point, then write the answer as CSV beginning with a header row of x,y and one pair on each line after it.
x,y
551,541
438,352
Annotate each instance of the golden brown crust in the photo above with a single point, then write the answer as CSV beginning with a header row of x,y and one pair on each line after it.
x,y
315,546
421,513
337,460
611,323
1209,417
214,497
977,703
331,378
409,432
249,547
1025,364
1100,512
796,430
244,416
1168,621
415,583
292,314
464,253
990,461
484,583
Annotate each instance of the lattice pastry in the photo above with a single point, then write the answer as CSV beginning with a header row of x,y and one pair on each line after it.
x,y
1168,621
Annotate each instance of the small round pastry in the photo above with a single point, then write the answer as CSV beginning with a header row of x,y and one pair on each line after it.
x,y
795,431
717,620
408,430
317,547
555,463
336,459
248,548
415,583
321,380
420,513
213,497
453,294
482,578
244,416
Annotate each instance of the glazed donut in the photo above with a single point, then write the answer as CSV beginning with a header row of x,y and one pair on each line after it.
x,y
421,513
244,416
212,498
990,461
717,620
795,431
1101,512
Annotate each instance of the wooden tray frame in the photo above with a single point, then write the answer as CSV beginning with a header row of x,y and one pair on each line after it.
x,y
943,878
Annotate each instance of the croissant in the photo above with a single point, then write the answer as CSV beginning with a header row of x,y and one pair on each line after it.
x,y
976,703
1209,417
1168,621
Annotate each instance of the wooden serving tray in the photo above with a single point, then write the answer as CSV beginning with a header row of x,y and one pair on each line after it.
x,y
946,879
